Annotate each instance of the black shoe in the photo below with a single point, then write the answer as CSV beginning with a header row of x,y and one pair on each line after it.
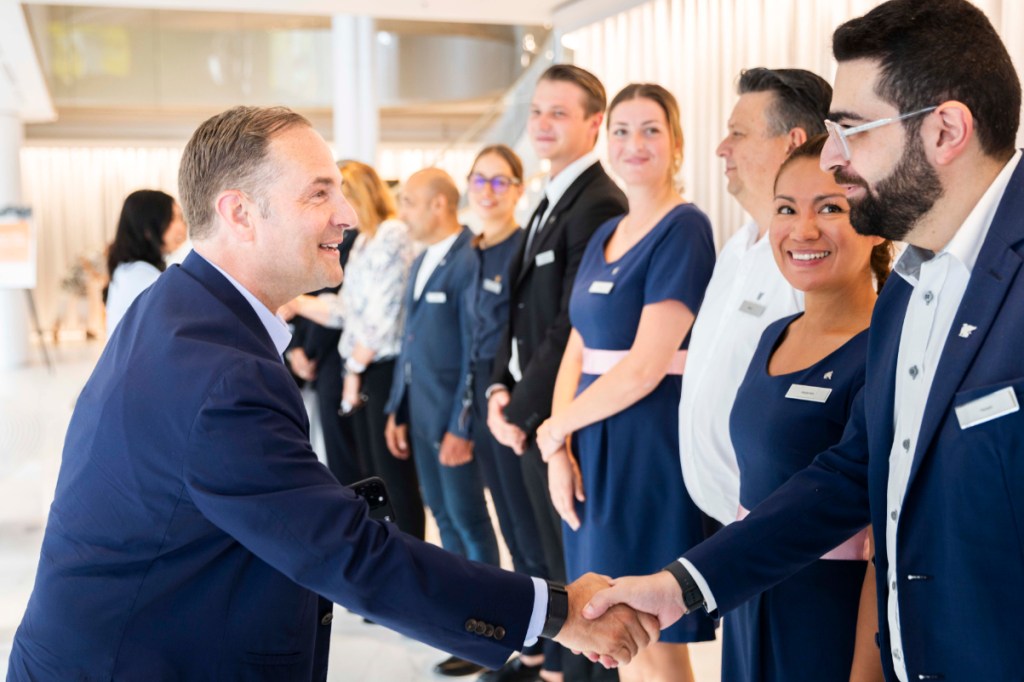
x,y
513,671
453,666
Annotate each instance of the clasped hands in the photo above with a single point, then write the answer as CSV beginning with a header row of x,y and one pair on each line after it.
x,y
611,620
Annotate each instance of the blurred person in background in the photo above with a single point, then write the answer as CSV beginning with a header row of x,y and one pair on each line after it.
x,y
369,307
150,227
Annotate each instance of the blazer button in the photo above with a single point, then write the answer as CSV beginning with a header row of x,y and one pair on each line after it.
x,y
470,625
499,633
481,628
327,618
489,632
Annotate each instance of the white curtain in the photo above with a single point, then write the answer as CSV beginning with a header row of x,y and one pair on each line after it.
x,y
696,48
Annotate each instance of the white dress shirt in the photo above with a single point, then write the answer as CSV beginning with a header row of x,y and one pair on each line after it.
x,y
434,254
128,281
278,331
747,292
939,282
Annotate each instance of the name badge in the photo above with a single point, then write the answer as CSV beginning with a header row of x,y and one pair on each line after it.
x,y
751,308
437,297
987,408
813,394
601,287
492,285
545,258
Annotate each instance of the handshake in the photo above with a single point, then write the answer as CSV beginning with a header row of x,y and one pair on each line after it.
x,y
611,620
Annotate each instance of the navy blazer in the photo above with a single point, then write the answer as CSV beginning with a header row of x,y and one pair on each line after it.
x,y
960,559
193,527
432,370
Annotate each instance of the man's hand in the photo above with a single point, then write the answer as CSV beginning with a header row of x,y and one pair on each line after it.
x,y
301,365
565,485
657,594
615,638
455,451
506,433
397,438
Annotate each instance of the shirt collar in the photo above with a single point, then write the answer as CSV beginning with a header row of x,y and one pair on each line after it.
x,y
275,326
437,250
560,183
966,243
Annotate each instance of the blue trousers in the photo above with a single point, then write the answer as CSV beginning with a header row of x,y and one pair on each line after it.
x,y
455,496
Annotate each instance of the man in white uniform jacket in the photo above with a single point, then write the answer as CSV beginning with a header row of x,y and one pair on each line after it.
x,y
778,109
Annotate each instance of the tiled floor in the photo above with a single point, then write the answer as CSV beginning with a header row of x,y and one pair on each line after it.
x,y
35,407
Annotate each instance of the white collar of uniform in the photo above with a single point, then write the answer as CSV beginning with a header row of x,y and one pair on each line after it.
x,y
966,243
275,326
560,183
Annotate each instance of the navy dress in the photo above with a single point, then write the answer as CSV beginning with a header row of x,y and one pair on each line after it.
x,y
805,627
638,517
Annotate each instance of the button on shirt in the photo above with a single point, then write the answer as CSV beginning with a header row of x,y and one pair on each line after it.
x,y
281,337
746,294
939,282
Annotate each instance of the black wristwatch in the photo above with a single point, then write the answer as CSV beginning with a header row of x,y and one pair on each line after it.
x,y
558,610
693,598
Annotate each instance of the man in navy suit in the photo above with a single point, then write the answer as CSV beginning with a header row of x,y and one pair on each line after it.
x,y
922,126
426,410
192,527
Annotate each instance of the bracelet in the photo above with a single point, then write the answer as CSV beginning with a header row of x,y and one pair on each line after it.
x,y
354,366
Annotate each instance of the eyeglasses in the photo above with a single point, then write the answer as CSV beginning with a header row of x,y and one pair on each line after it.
x,y
838,133
499,183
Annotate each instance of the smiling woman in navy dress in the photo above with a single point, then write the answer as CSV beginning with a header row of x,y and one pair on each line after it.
x,y
640,283
796,398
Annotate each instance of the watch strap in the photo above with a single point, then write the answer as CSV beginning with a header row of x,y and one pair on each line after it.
x,y
558,610
693,598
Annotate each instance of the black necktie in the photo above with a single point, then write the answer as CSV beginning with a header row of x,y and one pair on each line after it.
x,y
535,223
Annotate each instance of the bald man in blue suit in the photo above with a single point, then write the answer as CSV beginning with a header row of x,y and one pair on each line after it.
x,y
193,528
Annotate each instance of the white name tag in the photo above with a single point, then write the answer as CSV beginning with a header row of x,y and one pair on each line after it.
x,y
437,297
987,408
492,285
751,308
601,287
545,258
814,394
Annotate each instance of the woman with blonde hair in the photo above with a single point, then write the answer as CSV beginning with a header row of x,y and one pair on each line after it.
x,y
612,439
369,308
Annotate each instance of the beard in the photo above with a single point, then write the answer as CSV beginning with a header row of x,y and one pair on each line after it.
x,y
899,201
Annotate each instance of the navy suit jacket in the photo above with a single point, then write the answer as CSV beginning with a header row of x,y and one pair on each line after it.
x,y
193,527
960,540
433,370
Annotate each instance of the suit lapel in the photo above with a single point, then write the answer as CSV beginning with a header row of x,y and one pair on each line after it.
x,y
438,272
548,230
202,271
990,281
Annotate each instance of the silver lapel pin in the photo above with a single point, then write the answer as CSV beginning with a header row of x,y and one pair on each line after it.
x,y
966,330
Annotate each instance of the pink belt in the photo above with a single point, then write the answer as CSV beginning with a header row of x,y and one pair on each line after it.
x,y
598,362
857,548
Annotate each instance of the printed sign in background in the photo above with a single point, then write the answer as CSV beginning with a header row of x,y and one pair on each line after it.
x,y
17,249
